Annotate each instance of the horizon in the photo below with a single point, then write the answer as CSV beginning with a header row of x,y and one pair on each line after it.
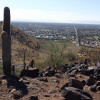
x,y
77,23
50,11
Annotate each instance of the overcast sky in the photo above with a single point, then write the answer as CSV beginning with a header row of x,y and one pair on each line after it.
x,y
63,11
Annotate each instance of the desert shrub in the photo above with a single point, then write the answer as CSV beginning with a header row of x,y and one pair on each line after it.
x,y
71,55
84,49
94,55
55,54
1,70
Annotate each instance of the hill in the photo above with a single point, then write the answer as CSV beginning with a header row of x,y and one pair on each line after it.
x,y
21,42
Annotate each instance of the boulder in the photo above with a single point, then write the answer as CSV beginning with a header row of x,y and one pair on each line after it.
x,y
71,93
91,81
30,73
89,72
73,83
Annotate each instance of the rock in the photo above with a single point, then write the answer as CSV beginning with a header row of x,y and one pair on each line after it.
x,y
17,94
91,81
98,88
75,83
57,75
46,95
47,68
98,83
72,68
97,71
40,74
98,77
43,79
65,85
52,91
64,69
4,81
10,89
83,82
57,81
0,82
50,72
2,77
92,68
81,71
30,73
90,71
71,93
93,88
13,90
55,95
26,82
73,73
33,98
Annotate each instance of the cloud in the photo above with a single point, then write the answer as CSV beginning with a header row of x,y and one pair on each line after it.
x,y
45,16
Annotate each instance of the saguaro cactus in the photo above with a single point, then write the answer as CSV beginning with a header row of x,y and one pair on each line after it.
x,y
6,26
6,42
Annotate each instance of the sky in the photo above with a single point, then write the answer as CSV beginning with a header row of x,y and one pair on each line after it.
x,y
59,11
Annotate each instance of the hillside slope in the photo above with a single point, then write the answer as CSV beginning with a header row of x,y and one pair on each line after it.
x,y
21,42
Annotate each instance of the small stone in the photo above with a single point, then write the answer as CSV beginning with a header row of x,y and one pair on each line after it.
x,y
47,95
52,91
4,81
13,90
2,77
93,88
26,82
0,82
43,79
17,94
98,88
33,98
98,83
10,89
57,75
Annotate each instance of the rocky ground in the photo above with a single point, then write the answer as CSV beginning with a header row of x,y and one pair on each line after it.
x,y
78,82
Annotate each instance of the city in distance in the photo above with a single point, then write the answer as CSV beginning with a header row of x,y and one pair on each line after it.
x,y
57,31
